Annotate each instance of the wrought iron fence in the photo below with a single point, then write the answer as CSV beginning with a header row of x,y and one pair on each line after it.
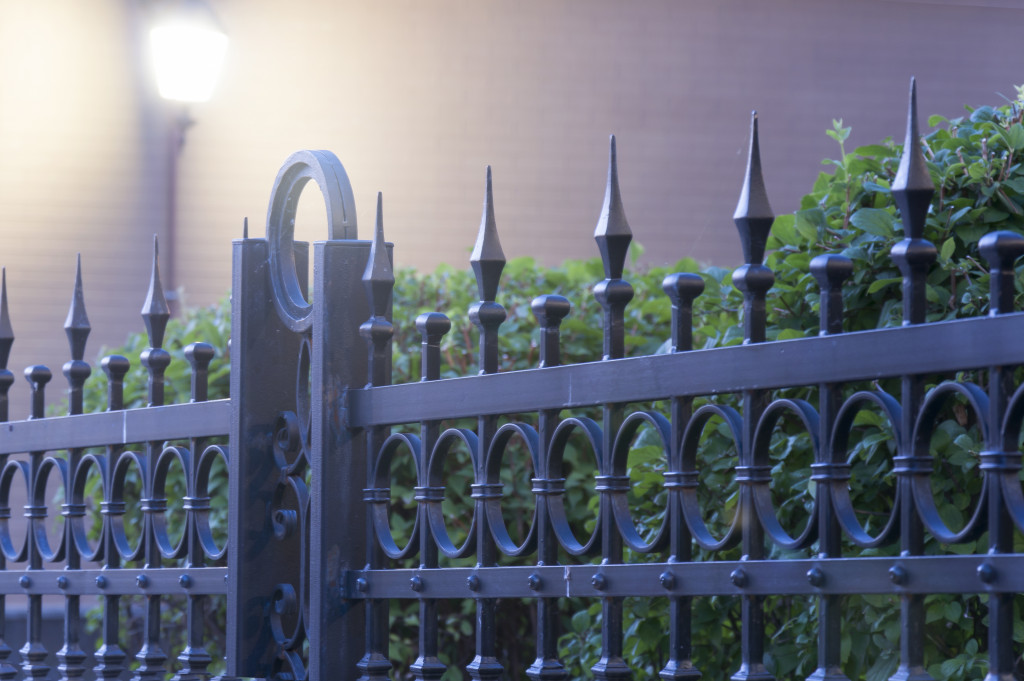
x,y
315,427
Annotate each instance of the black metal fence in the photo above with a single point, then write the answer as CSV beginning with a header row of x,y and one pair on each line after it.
x,y
315,425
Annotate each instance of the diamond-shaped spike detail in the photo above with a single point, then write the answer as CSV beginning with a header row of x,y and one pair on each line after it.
x,y
913,188
753,216
76,326
6,331
379,277
488,260
155,312
612,232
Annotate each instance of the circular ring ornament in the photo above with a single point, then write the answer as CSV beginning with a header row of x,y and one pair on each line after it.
x,y
761,455
1009,480
618,493
88,462
37,511
555,484
158,503
432,495
116,506
921,463
688,486
841,501
326,170
199,503
380,496
492,481
11,552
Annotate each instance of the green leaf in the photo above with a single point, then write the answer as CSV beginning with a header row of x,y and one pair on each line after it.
x,y
879,284
1013,136
874,221
946,252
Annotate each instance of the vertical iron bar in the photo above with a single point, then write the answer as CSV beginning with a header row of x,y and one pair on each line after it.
x,y
682,289
549,310
830,271
33,653
110,657
427,667
194,658
7,670
753,218
378,283
912,190
151,657
71,658
487,260
613,236
1001,458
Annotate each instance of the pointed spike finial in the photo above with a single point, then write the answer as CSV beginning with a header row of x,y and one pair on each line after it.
x,y
245,227
488,260
6,331
76,326
612,233
155,312
913,188
753,216
379,276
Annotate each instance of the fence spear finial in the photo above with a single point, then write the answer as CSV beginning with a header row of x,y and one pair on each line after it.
x,y
155,312
753,216
913,188
379,276
76,326
612,233
6,330
488,260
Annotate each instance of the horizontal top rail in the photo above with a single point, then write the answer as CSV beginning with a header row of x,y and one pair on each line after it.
x,y
955,345
146,424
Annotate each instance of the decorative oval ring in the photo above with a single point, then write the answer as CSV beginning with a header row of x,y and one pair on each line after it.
x,y
157,505
36,510
199,503
11,552
554,482
762,463
326,170
491,493
688,479
379,496
89,553
922,461
433,494
1013,495
618,484
839,468
114,509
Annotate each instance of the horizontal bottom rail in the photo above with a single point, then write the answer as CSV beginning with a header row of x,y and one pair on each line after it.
x,y
888,575
117,582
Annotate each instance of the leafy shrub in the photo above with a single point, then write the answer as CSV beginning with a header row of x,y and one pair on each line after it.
x,y
979,180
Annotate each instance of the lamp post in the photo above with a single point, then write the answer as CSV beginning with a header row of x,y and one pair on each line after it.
x,y
187,45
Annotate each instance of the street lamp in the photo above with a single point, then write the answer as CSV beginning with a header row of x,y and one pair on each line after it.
x,y
187,45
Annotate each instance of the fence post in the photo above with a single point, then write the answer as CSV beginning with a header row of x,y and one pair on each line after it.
x,y
263,367
338,513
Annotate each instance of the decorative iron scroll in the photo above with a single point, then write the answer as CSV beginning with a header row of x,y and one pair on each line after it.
x,y
751,371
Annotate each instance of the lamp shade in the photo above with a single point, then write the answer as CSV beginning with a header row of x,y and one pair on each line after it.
x,y
188,47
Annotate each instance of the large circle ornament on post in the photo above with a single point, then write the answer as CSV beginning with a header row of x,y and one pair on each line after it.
x,y
326,170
